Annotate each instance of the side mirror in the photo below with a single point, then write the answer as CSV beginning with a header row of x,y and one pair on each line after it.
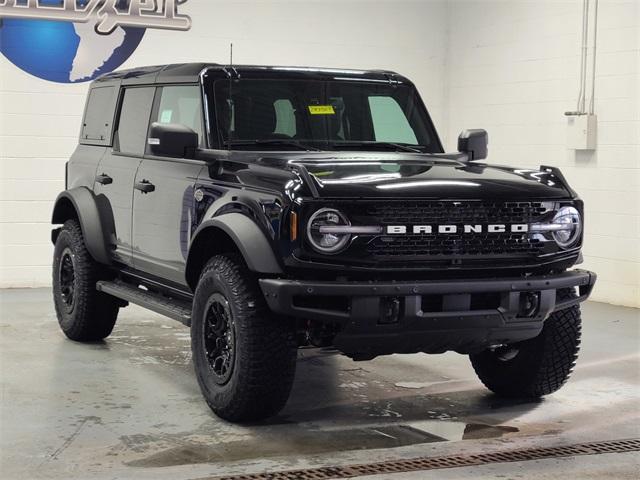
x,y
474,143
172,140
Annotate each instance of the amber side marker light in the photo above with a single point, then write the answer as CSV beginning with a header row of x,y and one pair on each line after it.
x,y
294,226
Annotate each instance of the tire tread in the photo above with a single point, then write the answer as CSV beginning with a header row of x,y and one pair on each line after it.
x,y
268,359
548,359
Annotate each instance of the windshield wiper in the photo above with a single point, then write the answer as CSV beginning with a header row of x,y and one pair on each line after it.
x,y
396,146
272,141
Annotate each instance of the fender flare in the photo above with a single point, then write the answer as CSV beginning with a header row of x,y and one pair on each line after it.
x,y
83,201
247,237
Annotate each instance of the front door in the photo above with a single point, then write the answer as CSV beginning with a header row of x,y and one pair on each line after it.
x,y
163,195
117,170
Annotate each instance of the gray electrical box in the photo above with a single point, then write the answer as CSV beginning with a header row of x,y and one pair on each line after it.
x,y
582,131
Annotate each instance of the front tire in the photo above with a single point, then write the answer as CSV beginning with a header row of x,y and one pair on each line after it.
x,y
84,314
535,367
244,358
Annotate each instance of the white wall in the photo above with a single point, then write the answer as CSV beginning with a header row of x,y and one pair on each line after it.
x,y
510,67
40,121
513,69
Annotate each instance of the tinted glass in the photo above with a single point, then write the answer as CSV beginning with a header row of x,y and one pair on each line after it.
x,y
182,105
389,121
322,114
98,118
133,122
285,117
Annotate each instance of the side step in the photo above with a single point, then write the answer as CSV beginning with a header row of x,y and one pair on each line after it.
x,y
170,307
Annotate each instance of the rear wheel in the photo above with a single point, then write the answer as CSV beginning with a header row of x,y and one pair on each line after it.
x,y
84,314
538,366
244,358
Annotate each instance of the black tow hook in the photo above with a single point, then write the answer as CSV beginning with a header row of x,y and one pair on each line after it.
x,y
528,305
389,310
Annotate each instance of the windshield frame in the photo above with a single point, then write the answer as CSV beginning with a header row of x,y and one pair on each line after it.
x,y
238,74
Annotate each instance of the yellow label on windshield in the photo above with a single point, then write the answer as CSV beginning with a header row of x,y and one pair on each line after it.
x,y
321,110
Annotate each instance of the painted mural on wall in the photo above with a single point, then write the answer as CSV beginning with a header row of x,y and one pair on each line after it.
x,y
71,41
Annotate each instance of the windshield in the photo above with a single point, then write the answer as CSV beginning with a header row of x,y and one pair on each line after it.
x,y
322,115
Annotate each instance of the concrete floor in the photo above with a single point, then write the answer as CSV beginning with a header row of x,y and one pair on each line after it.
x,y
130,407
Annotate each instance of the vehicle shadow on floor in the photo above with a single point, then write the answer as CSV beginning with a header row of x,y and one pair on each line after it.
x,y
338,406
332,388
335,405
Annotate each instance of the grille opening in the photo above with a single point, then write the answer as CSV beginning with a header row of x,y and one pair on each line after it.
x,y
455,212
485,301
432,303
322,302
454,244
478,301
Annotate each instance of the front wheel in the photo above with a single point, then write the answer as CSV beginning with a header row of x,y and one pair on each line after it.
x,y
244,358
538,366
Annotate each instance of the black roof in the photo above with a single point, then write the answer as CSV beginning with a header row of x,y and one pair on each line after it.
x,y
190,72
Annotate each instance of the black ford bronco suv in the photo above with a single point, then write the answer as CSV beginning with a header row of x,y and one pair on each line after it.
x,y
271,207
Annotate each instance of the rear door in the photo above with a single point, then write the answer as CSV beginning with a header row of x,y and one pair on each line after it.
x,y
162,218
117,170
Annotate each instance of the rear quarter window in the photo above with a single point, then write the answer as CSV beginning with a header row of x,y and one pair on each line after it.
x,y
133,124
97,124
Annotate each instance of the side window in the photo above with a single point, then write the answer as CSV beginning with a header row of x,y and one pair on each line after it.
x,y
182,105
98,118
389,121
133,122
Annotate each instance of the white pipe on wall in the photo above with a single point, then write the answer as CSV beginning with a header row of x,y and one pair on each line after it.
x,y
583,57
593,65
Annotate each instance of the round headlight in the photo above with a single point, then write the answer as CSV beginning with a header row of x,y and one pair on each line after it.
x,y
570,218
323,230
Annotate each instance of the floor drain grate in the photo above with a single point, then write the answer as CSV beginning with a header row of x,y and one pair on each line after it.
x,y
433,463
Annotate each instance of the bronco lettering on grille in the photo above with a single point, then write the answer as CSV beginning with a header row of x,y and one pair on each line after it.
x,y
428,229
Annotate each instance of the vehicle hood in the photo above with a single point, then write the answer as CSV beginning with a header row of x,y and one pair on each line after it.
x,y
394,175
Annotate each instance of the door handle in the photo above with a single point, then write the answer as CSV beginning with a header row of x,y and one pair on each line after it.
x,y
145,186
104,179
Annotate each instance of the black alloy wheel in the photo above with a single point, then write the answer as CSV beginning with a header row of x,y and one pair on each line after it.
x,y
67,279
219,338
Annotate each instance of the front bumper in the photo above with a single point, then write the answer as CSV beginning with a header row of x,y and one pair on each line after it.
x,y
379,318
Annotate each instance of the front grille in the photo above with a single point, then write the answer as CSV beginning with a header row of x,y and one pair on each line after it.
x,y
454,244
434,245
415,212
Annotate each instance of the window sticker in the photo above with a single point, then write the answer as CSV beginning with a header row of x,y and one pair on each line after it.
x,y
323,174
165,116
321,110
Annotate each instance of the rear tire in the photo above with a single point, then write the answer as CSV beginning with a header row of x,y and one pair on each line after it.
x,y
244,358
84,314
538,366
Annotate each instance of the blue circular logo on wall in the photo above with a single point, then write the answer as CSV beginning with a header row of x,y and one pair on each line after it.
x,y
66,52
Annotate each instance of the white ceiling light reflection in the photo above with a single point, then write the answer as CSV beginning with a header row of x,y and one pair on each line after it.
x,y
428,183
320,69
347,164
537,175
368,80
362,178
